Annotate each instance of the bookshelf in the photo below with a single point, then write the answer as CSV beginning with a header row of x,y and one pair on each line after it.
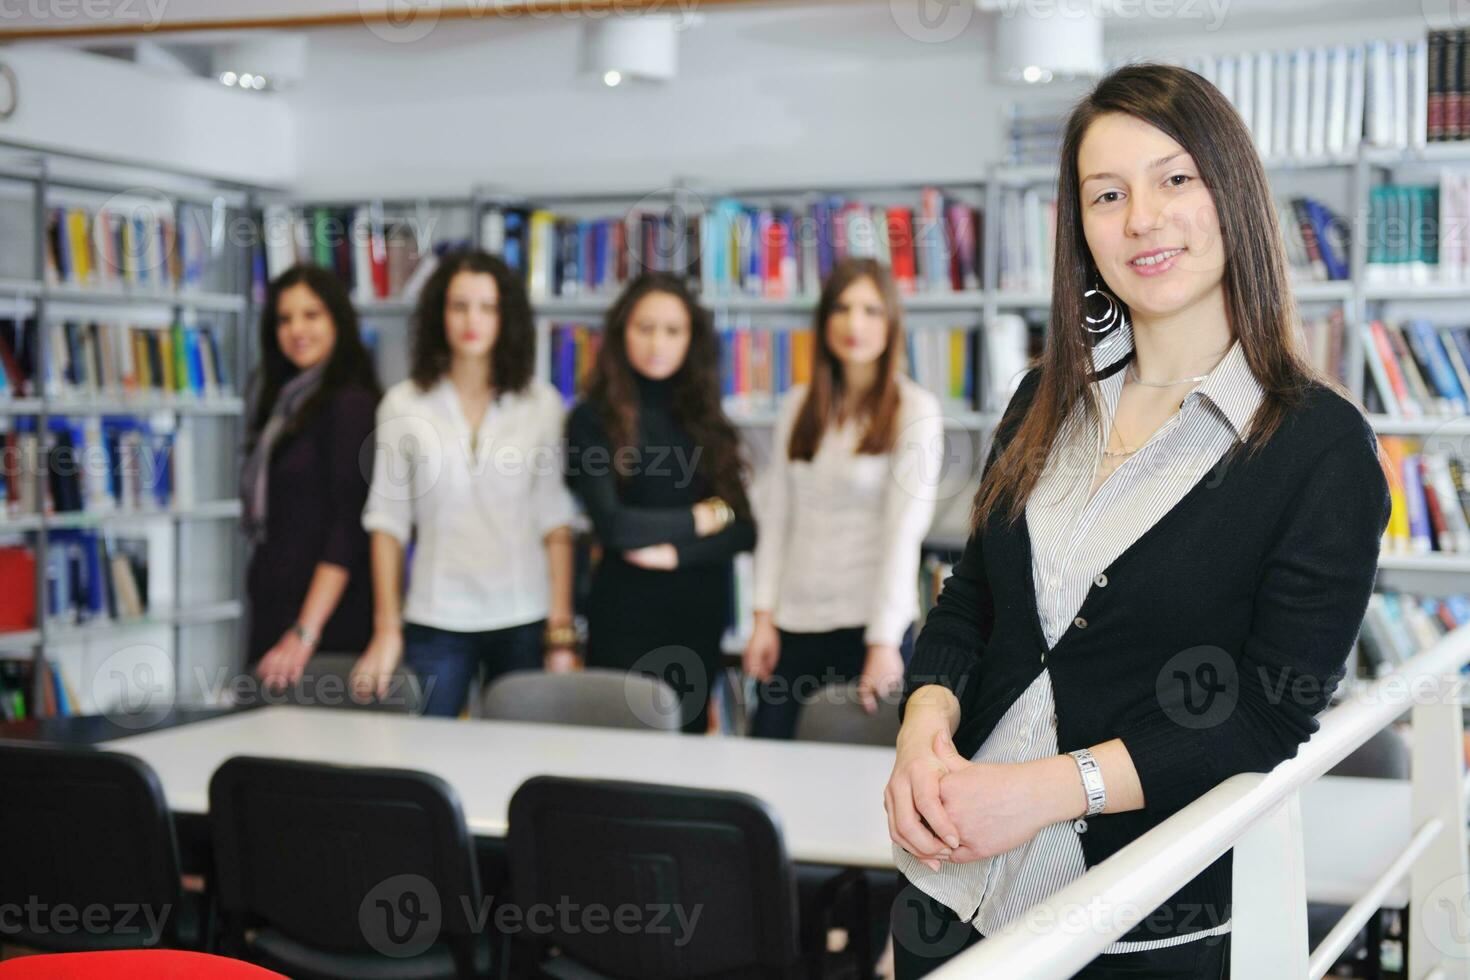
x,y
1347,176
159,258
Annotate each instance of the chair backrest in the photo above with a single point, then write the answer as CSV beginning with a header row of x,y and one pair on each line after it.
x,y
339,859
1385,755
325,684
835,714
700,878
606,698
86,838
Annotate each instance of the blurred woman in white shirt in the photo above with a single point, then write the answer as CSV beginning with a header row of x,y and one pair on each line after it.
x,y
845,504
467,468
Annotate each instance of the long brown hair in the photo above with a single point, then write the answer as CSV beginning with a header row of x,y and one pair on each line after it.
x,y
695,392
1258,300
824,403
512,358
348,365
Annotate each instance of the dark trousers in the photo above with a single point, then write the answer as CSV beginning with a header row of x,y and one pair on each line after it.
x,y
447,661
808,662
927,933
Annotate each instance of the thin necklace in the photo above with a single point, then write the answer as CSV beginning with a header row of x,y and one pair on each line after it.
x,y
1132,373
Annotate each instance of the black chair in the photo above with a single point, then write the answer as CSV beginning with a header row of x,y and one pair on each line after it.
x,y
669,852
343,873
856,898
88,857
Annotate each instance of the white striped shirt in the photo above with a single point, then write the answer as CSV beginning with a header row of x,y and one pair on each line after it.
x,y
1073,540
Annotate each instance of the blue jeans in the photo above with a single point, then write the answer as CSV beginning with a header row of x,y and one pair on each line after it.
x,y
446,661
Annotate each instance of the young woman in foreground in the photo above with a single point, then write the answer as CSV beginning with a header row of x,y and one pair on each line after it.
x,y
1174,542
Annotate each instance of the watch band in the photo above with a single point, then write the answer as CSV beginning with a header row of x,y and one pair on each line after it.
x,y
1092,781
305,635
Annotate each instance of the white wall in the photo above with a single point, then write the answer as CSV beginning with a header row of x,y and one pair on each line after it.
x,y
82,103
816,96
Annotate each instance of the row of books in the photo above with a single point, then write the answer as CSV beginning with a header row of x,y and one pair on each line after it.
x,y
1417,369
1317,241
574,348
1315,101
1324,342
35,688
376,256
1028,227
565,256
1430,492
141,247
1398,625
17,689
1404,230
1447,115
100,465
758,365
90,359
92,576
780,253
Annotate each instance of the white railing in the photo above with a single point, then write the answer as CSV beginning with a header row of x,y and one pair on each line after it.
x,y
1259,815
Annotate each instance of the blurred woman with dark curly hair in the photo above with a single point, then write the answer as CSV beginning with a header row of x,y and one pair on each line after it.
x,y
657,465
467,467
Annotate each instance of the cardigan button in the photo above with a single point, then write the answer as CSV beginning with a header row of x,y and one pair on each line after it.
x,y
1080,825
1080,623
1101,581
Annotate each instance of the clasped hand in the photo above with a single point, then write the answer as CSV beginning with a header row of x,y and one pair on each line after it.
x,y
943,807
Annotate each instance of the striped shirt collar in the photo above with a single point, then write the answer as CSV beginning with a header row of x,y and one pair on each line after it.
x,y
1230,387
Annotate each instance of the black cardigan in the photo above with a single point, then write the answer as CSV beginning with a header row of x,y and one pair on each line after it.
x,y
317,493
1254,584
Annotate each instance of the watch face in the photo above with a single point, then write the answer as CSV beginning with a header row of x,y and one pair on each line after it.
x,y
8,91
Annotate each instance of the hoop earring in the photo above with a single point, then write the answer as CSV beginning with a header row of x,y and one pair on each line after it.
x,y
1114,317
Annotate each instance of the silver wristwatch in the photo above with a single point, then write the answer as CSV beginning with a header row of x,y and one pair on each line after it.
x,y
1092,781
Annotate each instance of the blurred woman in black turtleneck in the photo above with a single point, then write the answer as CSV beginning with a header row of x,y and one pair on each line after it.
x,y
658,469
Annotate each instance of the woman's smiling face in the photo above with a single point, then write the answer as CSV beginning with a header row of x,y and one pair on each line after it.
x,y
1149,220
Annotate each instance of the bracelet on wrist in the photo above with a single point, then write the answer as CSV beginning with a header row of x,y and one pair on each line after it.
x,y
306,636
560,637
1092,785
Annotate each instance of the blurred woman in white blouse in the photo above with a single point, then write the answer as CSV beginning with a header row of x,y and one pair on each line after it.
x,y
467,468
844,506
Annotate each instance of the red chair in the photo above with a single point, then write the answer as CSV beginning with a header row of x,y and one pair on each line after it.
x,y
133,964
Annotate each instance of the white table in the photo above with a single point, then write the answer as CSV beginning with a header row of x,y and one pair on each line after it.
x,y
828,798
